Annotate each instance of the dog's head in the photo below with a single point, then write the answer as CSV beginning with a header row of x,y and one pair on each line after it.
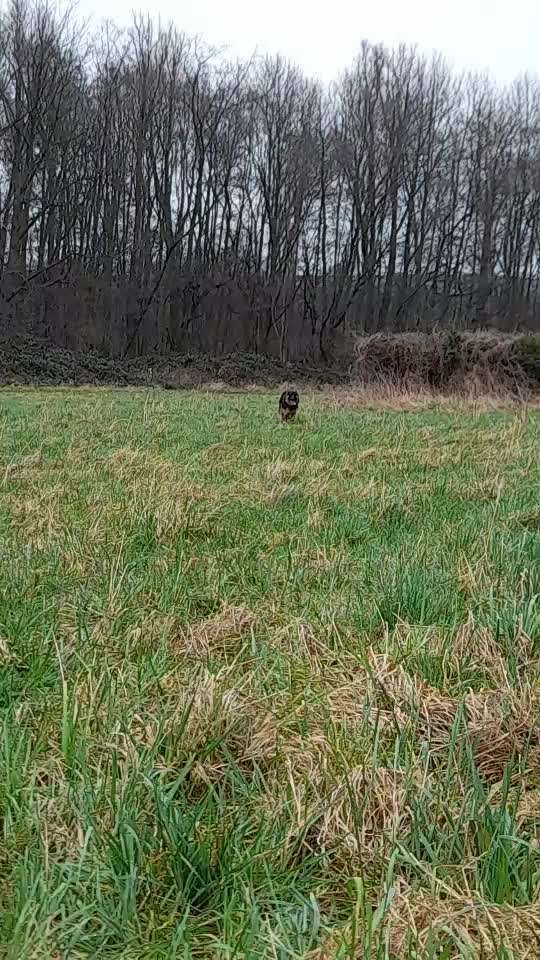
x,y
291,398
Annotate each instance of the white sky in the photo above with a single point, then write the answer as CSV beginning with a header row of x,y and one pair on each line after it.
x,y
497,36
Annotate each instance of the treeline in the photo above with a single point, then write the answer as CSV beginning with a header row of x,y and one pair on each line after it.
x,y
155,195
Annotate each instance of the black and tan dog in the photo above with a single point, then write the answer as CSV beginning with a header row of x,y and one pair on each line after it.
x,y
288,404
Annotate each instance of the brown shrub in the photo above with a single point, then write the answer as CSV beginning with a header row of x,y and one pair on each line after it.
x,y
475,363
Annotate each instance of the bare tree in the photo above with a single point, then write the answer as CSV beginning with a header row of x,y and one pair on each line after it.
x,y
155,195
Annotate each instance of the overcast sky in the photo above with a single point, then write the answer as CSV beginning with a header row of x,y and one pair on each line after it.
x,y
498,36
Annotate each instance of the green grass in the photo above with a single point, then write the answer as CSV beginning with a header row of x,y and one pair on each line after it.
x,y
267,691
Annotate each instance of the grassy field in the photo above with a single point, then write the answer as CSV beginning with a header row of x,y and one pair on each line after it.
x,y
267,691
